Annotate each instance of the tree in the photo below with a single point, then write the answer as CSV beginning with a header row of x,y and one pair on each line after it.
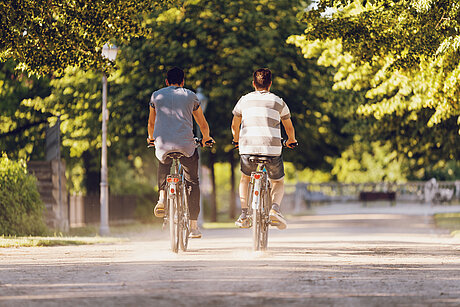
x,y
48,36
21,128
413,42
411,104
220,44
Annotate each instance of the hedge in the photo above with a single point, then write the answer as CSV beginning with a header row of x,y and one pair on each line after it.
x,y
21,209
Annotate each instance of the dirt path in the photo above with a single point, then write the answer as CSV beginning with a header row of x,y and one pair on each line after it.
x,y
331,260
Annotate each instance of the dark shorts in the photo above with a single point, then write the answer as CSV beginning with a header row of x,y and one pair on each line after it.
x,y
275,168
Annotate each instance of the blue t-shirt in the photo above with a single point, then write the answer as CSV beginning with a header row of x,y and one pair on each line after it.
x,y
173,131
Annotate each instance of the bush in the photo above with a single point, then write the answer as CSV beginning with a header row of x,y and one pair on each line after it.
x,y
21,209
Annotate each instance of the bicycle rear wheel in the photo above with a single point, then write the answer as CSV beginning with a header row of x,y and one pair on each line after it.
x,y
184,221
253,216
173,224
256,229
256,219
265,206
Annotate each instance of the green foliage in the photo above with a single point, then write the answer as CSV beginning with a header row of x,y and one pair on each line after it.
x,y
21,209
293,175
369,162
135,176
411,105
409,50
220,44
444,171
21,127
49,36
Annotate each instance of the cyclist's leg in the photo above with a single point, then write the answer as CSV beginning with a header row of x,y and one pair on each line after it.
x,y
275,171
277,190
190,167
246,169
163,172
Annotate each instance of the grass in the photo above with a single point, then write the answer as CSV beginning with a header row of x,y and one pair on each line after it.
x,y
78,236
449,221
52,241
116,229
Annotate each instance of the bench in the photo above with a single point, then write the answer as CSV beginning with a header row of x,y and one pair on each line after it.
x,y
376,196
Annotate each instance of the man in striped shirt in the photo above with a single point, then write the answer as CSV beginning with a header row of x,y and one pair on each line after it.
x,y
256,131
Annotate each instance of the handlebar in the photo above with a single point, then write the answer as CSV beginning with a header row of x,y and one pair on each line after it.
x,y
290,145
283,143
198,143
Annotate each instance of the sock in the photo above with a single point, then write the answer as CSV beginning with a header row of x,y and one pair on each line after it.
x,y
193,224
161,197
276,207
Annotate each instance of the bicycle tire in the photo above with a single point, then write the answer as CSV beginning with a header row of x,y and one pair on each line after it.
x,y
256,222
264,217
185,221
256,229
173,224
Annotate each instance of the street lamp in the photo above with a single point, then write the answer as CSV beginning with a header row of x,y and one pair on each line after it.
x,y
204,101
108,52
202,98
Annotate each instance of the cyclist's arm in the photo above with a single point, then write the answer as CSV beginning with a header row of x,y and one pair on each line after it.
x,y
287,123
236,122
202,123
151,122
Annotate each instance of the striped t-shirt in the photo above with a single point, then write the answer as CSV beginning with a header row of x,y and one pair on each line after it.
x,y
260,132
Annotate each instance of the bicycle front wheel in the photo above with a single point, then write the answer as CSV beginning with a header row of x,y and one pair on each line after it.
x,y
173,224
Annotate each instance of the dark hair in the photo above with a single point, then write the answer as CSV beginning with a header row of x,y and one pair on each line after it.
x,y
262,78
175,75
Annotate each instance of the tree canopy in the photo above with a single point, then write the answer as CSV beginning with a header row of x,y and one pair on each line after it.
x,y
415,44
47,36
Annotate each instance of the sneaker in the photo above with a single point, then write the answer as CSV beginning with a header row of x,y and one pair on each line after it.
x,y
244,221
276,218
159,210
195,233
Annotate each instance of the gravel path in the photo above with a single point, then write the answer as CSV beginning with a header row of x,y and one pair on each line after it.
x,y
323,260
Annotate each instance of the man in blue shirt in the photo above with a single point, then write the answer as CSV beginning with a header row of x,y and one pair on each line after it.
x,y
170,127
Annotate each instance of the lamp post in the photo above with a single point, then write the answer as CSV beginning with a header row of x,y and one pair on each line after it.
x,y
109,52
204,101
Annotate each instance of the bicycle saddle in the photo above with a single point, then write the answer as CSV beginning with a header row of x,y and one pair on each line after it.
x,y
175,155
260,159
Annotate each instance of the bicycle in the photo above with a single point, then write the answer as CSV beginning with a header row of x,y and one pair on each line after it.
x,y
176,207
259,198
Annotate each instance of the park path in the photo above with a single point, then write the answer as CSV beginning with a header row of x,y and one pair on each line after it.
x,y
322,260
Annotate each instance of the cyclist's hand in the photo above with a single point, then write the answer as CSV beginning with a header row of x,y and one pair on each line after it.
x,y
208,141
150,142
236,144
291,143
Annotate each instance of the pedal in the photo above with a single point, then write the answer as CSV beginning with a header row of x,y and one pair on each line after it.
x,y
245,224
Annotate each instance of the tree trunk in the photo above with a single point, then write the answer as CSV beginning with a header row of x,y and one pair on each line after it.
x,y
212,158
232,210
